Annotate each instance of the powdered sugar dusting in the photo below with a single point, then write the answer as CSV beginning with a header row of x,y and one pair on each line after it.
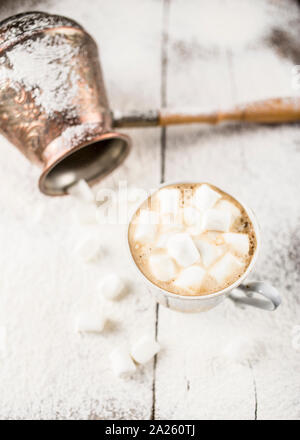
x,y
44,67
77,134
24,26
220,26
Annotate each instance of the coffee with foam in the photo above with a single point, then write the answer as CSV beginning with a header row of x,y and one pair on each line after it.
x,y
192,239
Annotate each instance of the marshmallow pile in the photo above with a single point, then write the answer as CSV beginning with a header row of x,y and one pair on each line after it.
x,y
194,244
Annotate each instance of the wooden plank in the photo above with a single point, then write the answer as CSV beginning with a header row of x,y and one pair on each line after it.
x,y
50,371
191,382
270,186
261,165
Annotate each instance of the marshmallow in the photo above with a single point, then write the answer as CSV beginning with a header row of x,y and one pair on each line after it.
x,y
190,278
89,248
86,214
168,227
191,216
225,267
169,200
121,362
238,242
82,191
2,342
90,321
162,241
216,220
144,349
146,227
209,252
214,237
195,229
111,286
225,205
162,267
205,197
182,248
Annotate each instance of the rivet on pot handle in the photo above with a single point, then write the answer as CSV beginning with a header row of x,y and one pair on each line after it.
x,y
270,301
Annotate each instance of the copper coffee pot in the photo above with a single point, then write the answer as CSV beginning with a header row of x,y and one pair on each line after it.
x,y
54,108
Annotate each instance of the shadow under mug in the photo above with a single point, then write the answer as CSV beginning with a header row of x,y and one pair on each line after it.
x,y
258,294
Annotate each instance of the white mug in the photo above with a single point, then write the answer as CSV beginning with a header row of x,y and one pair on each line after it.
x,y
256,293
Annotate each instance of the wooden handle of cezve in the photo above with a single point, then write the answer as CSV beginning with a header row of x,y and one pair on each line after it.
x,y
269,111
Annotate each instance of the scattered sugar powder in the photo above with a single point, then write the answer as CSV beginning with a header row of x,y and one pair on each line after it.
x,y
44,67
50,371
225,25
26,26
54,371
78,133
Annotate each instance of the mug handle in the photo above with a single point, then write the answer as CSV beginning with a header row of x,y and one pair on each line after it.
x,y
272,301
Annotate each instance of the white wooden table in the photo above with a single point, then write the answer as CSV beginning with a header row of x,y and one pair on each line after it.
x,y
154,53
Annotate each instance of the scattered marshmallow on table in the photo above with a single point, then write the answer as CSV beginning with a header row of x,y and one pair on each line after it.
x,y
111,286
216,220
169,200
238,242
3,347
82,191
226,266
209,252
147,226
182,248
162,267
89,248
121,362
144,349
90,321
190,278
205,197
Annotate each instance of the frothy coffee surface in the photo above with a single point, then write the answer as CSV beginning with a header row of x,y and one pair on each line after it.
x,y
191,239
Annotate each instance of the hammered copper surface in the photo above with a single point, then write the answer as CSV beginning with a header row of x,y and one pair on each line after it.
x,y
38,134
